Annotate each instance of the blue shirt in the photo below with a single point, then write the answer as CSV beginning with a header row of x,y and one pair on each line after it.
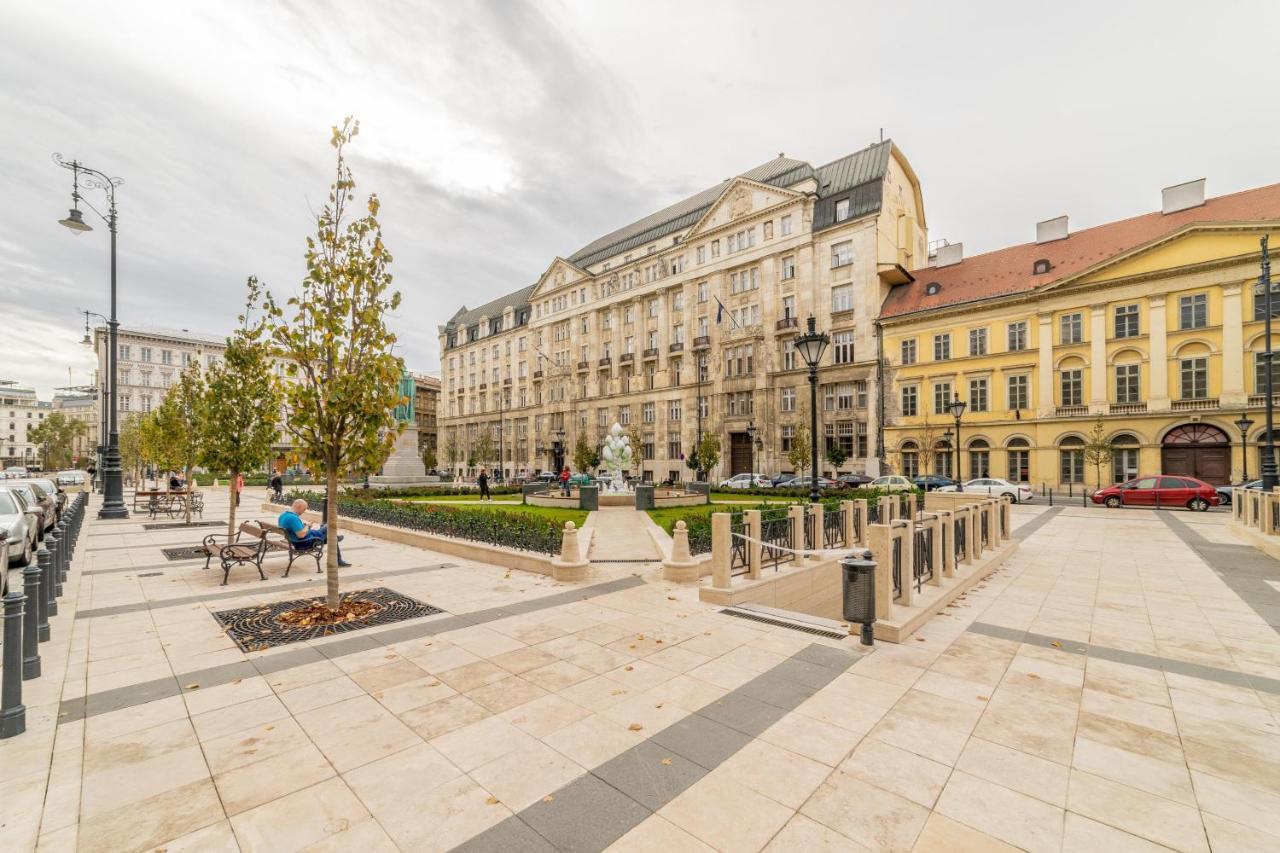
x,y
292,524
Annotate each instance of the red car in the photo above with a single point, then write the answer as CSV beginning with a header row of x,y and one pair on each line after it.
x,y
1163,491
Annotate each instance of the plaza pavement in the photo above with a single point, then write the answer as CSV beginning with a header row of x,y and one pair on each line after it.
x,y
1116,686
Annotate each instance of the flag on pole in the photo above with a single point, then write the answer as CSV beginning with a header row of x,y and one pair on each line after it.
x,y
720,312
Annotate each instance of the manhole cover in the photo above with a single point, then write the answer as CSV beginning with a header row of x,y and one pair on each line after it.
x,y
172,525
184,552
257,628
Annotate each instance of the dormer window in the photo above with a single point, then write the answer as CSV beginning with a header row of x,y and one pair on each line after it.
x,y
1041,266
932,289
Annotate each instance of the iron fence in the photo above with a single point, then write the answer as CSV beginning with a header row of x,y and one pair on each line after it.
x,y
739,556
922,556
810,530
1004,522
960,533
873,512
857,527
895,563
1275,516
833,530
775,534
984,534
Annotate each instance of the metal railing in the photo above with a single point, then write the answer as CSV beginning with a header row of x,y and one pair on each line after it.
x,y
810,525
739,555
857,527
961,545
873,512
922,556
984,532
775,536
1275,515
833,530
895,564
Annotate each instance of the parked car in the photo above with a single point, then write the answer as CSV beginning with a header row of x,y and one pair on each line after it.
x,y
72,478
747,481
37,501
807,482
547,477
50,488
932,482
995,487
893,483
853,481
1159,491
1224,492
15,471
20,523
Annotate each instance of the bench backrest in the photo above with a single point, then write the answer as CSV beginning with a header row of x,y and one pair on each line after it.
x,y
252,528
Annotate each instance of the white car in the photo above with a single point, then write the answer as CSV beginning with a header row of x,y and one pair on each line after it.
x,y
21,524
747,481
892,483
995,487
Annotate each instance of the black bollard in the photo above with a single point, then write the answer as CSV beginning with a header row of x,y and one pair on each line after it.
x,y
30,618
44,566
64,540
13,714
54,543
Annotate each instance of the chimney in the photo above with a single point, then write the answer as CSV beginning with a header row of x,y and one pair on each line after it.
x,y
1182,196
950,254
1051,229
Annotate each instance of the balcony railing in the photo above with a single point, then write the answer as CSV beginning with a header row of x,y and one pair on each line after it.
x,y
627,356
583,365
787,323
537,374
1261,400
1128,408
678,346
651,352
1200,405
506,381
483,385
1071,411
606,361
702,342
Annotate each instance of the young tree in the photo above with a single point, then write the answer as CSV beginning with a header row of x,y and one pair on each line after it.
x,y
334,337
799,453
836,455
179,425
242,399
452,451
485,450
709,452
56,435
586,457
1097,449
131,443
429,459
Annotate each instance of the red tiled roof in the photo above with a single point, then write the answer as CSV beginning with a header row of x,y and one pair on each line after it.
x,y
1009,271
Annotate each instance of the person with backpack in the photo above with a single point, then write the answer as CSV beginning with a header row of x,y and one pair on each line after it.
x,y
483,482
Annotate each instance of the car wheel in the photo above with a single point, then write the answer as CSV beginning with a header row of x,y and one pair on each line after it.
x,y
1198,505
1013,495
1112,502
27,554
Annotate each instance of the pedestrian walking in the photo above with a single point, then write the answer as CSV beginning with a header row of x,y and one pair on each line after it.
x,y
564,481
238,488
483,482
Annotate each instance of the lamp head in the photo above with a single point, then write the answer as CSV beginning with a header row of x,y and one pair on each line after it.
x,y
812,344
1243,424
75,221
957,408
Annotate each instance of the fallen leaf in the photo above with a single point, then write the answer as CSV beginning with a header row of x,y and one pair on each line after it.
x,y
659,642
671,598
632,646
1056,644
270,728
191,687
616,692
659,705
666,761
493,801
1033,675
919,639
548,798
984,698
628,668
634,727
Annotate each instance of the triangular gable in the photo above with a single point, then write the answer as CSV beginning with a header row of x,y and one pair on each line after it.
x,y
559,274
740,198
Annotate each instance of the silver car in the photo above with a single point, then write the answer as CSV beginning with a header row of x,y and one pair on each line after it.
x,y
20,523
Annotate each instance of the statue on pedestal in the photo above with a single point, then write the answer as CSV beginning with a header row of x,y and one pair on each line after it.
x,y
404,467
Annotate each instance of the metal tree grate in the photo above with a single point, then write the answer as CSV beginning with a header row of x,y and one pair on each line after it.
x,y
183,552
258,628
174,525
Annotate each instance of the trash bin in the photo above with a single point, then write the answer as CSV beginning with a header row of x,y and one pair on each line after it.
x,y
859,581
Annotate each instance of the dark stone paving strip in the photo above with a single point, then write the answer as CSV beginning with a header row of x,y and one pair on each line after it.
x,y
1247,571
596,809
139,694
140,606
1178,667
1022,531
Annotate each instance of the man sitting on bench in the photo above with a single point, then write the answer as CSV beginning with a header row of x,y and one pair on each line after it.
x,y
300,532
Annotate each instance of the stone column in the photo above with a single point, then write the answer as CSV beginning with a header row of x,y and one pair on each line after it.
x,y
1158,364
935,555
569,566
1098,367
796,513
752,519
1234,391
971,546
1044,383
815,513
720,545
681,568
947,529
847,510
888,508
1265,523
904,530
879,542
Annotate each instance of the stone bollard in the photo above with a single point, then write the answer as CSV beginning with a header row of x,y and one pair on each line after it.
x,y
721,545
751,519
30,623
569,566
55,545
797,514
13,714
44,566
681,568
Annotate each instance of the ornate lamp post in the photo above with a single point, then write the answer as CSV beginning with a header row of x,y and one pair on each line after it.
x,y
1270,479
751,443
957,411
559,450
1243,423
100,393
811,346
948,437
112,477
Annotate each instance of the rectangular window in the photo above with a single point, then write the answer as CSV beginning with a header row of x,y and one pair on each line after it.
x,y
1072,384
1193,311
860,393
1195,378
909,351
701,254
146,353
124,352
784,225
1127,390
673,446
977,342
647,413
674,409
842,348
1071,328
787,402
1260,374
624,415
910,402
702,291
715,248
1018,336
942,398
844,396
788,355
1018,393
1127,321
842,254
842,210
788,267
1260,304
1020,466
788,435
788,307
842,298
978,395
1072,464
828,398
941,347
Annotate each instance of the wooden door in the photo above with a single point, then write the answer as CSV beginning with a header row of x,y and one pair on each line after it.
x,y
739,453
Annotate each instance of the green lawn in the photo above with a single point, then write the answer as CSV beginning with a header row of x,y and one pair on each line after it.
x,y
577,516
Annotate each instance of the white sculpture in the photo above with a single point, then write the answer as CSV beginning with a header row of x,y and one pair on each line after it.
x,y
617,454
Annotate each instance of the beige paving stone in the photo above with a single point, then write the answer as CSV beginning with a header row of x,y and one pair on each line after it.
x,y
862,811
419,768
1131,737
435,818
596,693
1255,770
444,657
523,659
470,676
593,740
319,694
1083,835
655,833
356,731
1044,730
413,694
58,841
639,675
301,676
677,659
234,718
687,692
252,745
170,814
128,720
777,773
1228,736
725,814
1243,804
387,676
958,689
298,820
1019,771
1253,716
481,742
557,675
506,694
941,834
825,743
248,786
897,771
1162,778
1002,813
721,673
526,775
884,668
1136,812
438,718
213,698
1226,835
544,715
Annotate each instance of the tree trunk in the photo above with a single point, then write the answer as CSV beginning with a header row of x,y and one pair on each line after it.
x,y
190,493
231,515
331,541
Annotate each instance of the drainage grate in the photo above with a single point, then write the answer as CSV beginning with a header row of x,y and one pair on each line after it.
x,y
150,574
173,525
184,552
782,623
256,628
637,560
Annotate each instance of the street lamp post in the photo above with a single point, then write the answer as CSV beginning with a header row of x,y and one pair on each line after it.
x,y
1243,423
751,445
957,410
112,477
700,366
1270,479
560,450
811,345
100,394
947,437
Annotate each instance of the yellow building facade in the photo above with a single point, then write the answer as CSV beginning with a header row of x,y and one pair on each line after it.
x,y
1150,327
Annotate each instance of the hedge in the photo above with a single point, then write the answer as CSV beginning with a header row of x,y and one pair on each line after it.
x,y
495,527
358,491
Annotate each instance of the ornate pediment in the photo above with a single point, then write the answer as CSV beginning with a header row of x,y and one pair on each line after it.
x,y
740,199
560,274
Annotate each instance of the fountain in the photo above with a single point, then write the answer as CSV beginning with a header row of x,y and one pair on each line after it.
x,y
617,454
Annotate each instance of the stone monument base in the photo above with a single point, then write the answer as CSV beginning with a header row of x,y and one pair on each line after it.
x,y
404,467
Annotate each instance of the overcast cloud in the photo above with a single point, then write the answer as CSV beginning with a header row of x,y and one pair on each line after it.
x,y
501,134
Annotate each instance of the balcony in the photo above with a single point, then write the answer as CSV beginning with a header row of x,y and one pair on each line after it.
x,y
1128,408
1205,405
627,356
702,342
483,385
583,365
1071,411
507,381
651,352
678,346
1260,400
537,374
787,323
606,361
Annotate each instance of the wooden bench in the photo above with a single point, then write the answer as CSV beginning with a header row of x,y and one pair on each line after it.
x,y
174,504
310,548
250,544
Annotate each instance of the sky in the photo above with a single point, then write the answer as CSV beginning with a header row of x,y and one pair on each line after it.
x,y
500,134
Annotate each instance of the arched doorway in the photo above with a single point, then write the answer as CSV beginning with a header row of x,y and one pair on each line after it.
x,y
1124,458
1197,450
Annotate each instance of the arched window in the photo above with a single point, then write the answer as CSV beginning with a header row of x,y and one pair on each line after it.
x,y
1071,460
942,458
910,459
1124,458
1019,460
979,459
